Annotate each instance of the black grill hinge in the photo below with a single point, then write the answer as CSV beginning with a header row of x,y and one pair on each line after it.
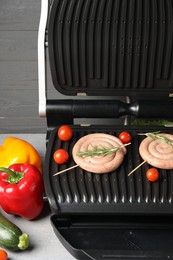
x,y
60,112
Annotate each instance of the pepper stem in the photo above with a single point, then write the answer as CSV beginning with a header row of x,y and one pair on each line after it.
x,y
23,241
14,177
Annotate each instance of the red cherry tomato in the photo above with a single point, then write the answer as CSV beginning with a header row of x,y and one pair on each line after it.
x,y
3,254
125,137
152,174
60,156
65,133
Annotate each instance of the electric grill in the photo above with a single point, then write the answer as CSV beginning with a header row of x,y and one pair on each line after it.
x,y
114,59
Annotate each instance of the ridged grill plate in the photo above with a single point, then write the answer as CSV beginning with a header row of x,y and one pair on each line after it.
x,y
78,191
105,47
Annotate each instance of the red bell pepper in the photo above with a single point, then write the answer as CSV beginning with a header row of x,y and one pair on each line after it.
x,y
21,190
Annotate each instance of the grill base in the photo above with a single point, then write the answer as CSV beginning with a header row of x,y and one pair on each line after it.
x,y
118,237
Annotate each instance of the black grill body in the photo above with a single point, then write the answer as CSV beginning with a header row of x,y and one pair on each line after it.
x,y
110,215
99,51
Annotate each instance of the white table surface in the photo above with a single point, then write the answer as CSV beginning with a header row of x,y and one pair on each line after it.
x,y
44,244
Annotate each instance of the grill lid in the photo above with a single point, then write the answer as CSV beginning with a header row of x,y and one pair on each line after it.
x,y
110,47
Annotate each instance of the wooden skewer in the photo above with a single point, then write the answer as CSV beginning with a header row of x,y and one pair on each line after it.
x,y
137,167
65,170
72,167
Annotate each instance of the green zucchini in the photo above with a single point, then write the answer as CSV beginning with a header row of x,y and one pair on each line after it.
x,y
11,236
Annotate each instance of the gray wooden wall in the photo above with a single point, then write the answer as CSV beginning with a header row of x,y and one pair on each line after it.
x,y
19,21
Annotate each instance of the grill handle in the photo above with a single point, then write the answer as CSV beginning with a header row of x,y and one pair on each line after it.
x,y
109,108
152,108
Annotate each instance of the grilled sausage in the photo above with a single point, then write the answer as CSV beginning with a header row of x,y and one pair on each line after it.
x,y
99,164
157,153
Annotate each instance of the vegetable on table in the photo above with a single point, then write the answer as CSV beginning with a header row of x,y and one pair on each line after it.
x,y
65,133
11,237
21,190
15,150
3,254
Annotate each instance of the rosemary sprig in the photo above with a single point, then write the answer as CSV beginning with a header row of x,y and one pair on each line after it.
x,y
97,151
157,135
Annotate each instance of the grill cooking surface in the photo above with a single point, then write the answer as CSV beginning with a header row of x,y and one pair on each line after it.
x,y
78,191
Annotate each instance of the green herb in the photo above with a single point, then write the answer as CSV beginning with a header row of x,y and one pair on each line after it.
x,y
157,135
151,122
97,151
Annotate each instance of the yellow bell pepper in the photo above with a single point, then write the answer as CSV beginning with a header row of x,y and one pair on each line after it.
x,y
15,150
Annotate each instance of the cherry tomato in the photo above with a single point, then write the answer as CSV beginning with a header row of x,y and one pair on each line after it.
x,y
65,133
60,156
125,137
152,174
3,254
